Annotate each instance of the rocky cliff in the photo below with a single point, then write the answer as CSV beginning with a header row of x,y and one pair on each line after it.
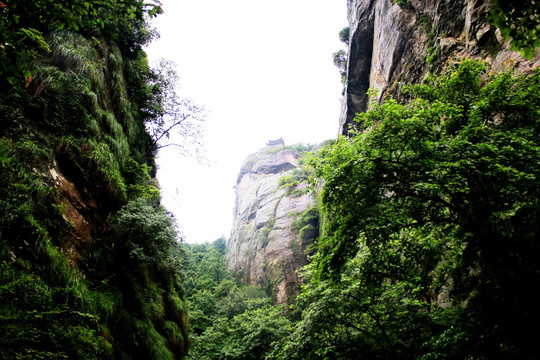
x,y
88,257
397,42
273,223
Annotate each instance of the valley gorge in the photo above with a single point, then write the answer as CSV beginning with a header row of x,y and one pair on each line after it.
x,y
411,235
390,45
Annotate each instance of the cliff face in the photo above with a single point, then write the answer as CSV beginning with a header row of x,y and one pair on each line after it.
x,y
87,254
266,245
391,45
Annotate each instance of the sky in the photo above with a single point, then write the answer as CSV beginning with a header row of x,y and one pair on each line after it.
x,y
262,70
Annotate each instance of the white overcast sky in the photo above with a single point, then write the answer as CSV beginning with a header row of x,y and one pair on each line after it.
x,y
263,70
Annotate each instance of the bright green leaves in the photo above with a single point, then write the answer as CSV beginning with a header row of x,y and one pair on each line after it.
x,y
146,234
520,21
425,215
142,260
431,160
228,321
252,334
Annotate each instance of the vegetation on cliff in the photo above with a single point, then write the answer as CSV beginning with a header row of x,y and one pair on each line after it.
x,y
270,235
88,258
429,245
429,236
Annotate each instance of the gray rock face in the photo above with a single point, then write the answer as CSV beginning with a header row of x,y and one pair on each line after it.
x,y
391,45
264,247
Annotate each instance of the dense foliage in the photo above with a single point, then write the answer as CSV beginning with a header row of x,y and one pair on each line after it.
x,y
430,239
429,244
88,258
23,28
519,21
228,321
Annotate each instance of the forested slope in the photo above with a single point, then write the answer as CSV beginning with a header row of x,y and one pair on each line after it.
x,y
87,254
229,320
429,247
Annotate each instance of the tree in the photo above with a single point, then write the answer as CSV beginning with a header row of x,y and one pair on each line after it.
x,y
520,21
340,61
173,121
344,35
429,215
251,335
228,321
340,56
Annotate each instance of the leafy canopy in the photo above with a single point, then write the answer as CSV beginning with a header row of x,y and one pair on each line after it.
x,y
228,321
520,21
429,215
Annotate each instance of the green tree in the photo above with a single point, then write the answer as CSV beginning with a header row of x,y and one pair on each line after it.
x,y
344,35
520,21
340,61
251,335
228,320
431,214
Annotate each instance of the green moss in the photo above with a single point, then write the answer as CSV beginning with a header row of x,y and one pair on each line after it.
x,y
404,4
291,181
263,234
306,228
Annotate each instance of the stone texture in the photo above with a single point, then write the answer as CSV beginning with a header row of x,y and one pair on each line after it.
x,y
80,211
392,45
260,244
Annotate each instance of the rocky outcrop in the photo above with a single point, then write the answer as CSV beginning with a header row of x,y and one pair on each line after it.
x,y
391,45
265,247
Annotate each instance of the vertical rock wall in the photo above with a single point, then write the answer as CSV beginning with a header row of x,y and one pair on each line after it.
x,y
391,45
264,248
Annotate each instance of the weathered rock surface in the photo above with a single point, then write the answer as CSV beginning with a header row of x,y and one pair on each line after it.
x,y
264,248
391,45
